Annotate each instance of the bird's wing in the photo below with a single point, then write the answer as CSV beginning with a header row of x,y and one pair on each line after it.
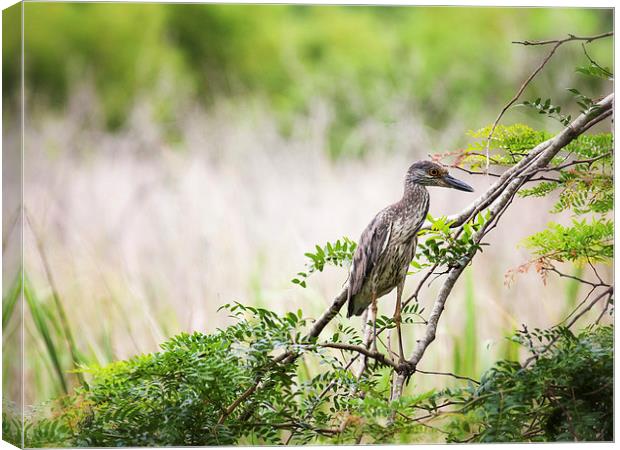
x,y
373,242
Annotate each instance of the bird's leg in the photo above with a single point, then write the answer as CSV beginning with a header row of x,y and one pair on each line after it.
x,y
367,333
397,320
373,306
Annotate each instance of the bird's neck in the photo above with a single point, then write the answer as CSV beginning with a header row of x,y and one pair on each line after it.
x,y
414,191
412,210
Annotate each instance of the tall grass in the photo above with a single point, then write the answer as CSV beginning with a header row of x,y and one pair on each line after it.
x,y
465,344
45,324
10,300
572,289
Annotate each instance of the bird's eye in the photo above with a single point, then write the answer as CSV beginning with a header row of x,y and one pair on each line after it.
x,y
433,172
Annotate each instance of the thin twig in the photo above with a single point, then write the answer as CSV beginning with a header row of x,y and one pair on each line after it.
x,y
377,356
589,161
475,172
450,374
608,291
594,63
228,411
571,37
605,308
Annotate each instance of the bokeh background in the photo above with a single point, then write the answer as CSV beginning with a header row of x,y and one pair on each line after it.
x,y
179,157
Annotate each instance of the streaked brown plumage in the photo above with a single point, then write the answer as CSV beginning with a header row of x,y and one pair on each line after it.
x,y
386,248
387,245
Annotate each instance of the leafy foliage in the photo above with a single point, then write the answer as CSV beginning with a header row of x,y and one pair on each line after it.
x,y
594,69
582,242
584,184
338,254
443,247
180,395
545,107
177,396
508,145
566,395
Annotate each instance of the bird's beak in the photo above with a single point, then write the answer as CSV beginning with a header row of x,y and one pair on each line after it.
x,y
454,183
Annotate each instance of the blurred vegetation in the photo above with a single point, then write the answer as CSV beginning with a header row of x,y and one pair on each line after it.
x,y
445,62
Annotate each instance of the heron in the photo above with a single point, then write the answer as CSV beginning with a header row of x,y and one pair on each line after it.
x,y
387,245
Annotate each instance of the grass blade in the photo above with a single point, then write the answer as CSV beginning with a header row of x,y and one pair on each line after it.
x,y
40,321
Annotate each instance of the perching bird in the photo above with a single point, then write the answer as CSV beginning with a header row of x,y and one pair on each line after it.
x,y
387,245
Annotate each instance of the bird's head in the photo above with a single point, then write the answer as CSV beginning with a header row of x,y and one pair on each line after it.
x,y
428,173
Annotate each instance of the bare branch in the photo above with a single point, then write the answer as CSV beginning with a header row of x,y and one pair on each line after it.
x,y
572,277
378,356
571,37
605,308
449,374
589,161
607,292
474,172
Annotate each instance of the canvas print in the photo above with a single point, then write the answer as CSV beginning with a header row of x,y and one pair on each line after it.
x,y
306,224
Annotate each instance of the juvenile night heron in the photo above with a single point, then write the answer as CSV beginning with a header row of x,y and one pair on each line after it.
x,y
387,245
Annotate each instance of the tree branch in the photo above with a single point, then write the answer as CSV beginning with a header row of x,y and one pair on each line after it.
x,y
607,292
378,356
571,37
449,374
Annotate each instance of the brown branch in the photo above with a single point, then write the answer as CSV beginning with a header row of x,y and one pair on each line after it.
x,y
475,172
295,426
573,277
594,63
228,411
589,161
609,291
543,178
605,308
378,356
513,100
606,292
571,37
449,374
581,303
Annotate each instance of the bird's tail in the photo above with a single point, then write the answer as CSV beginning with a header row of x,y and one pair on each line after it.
x,y
353,307
350,307
350,302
